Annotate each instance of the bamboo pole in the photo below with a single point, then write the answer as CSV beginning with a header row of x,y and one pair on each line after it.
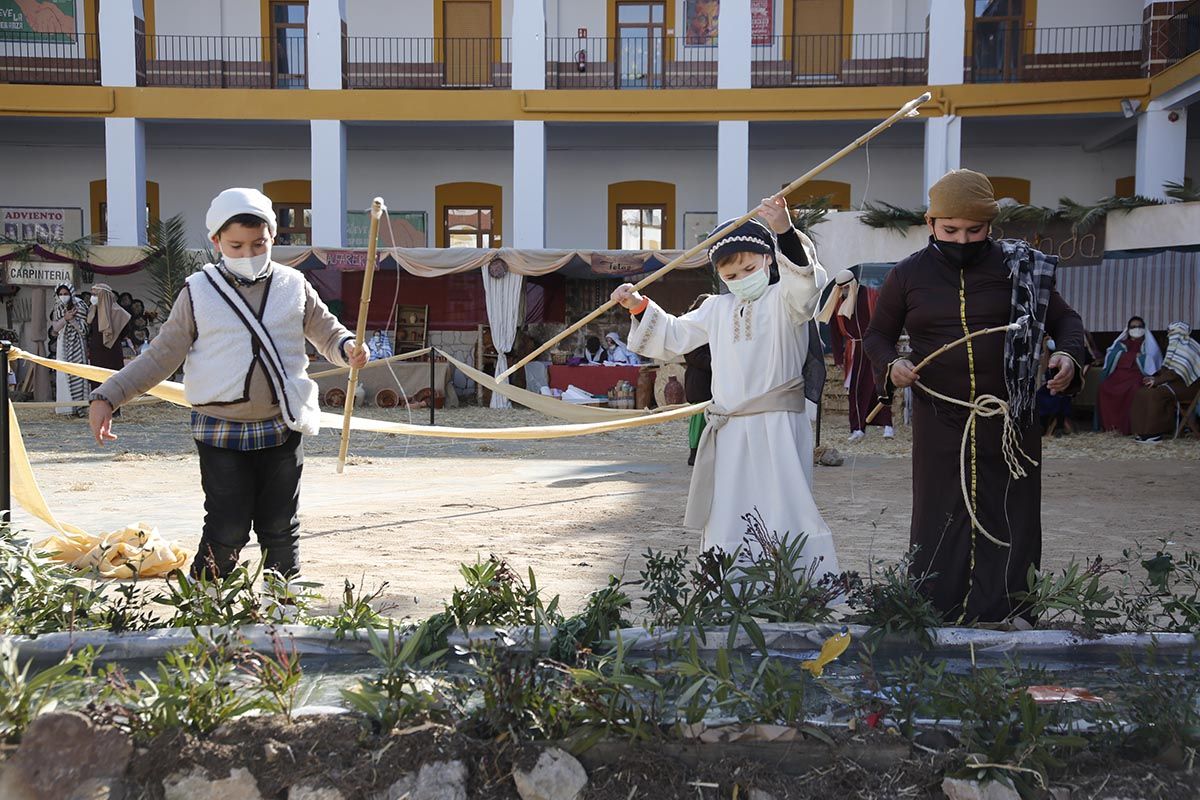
x,y
360,335
959,341
907,110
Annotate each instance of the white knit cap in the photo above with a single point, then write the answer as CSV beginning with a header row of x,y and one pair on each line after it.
x,y
231,202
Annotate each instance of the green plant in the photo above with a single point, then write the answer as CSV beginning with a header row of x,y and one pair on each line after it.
x,y
602,614
1157,707
196,687
665,586
227,601
1186,192
25,696
169,261
891,601
406,688
890,217
1075,594
356,611
38,595
277,676
1167,597
287,600
615,697
1084,217
521,695
810,213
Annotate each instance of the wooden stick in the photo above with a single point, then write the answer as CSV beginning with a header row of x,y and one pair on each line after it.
x,y
908,109
960,340
360,335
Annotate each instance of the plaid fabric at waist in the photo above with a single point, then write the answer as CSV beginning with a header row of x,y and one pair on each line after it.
x,y
232,435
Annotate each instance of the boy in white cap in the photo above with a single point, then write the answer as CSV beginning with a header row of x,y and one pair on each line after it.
x,y
239,327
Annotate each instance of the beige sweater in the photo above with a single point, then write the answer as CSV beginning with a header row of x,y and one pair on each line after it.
x,y
168,350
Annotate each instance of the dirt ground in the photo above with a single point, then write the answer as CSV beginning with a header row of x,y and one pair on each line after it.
x,y
407,511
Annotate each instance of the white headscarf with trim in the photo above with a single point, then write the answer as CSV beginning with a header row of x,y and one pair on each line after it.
x,y
1183,352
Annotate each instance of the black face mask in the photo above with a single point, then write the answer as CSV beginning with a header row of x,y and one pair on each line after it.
x,y
962,255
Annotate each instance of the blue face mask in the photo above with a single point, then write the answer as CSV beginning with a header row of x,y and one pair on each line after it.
x,y
751,287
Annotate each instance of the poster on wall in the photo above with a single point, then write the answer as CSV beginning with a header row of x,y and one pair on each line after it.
x,y
32,224
697,225
702,19
408,228
39,20
762,21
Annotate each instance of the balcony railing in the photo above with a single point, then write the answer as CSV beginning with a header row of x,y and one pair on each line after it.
x,y
1180,35
241,62
391,62
859,59
1007,52
47,58
660,62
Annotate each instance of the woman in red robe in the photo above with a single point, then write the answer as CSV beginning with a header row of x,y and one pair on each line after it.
x,y
1133,356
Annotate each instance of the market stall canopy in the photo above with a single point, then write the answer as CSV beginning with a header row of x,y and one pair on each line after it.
x,y
431,262
101,259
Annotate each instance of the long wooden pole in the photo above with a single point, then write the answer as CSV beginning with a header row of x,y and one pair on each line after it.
x,y
908,109
360,334
960,340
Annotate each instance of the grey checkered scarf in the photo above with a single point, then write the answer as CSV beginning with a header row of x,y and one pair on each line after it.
x,y
1032,273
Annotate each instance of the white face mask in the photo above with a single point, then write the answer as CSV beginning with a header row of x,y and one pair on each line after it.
x,y
1137,333
251,268
62,299
751,287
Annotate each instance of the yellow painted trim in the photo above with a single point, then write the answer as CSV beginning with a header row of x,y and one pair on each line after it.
x,y
1016,188
634,193
149,21
789,15
838,193
288,191
468,194
674,105
91,26
1125,187
1175,75
98,193
264,22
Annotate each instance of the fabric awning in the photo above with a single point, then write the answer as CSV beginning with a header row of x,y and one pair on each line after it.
x,y
102,260
1160,286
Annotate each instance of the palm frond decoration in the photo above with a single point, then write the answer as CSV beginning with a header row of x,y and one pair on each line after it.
x,y
811,213
1187,191
78,250
1083,218
890,217
168,261
1024,214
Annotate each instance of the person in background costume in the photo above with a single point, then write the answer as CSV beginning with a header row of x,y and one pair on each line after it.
x,y
1132,358
697,385
963,282
619,353
1169,392
594,352
67,338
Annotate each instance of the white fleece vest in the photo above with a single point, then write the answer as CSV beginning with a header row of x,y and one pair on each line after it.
x,y
218,365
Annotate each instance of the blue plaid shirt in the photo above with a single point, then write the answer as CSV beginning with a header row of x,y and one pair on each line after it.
x,y
239,435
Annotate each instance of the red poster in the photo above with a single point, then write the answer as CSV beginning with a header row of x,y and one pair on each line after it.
x,y
762,21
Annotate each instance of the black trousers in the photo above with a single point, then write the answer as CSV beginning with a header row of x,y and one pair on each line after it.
x,y
259,488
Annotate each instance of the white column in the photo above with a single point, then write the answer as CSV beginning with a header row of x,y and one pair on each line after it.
x,y
325,18
529,44
943,149
529,184
125,177
733,47
733,169
329,182
118,45
1161,150
947,41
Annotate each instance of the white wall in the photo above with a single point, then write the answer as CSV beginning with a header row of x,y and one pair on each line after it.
x,y
565,17
239,18
55,175
1071,13
889,16
1055,172
189,18
895,175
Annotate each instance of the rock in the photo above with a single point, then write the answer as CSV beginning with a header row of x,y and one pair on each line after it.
x,y
197,785
555,776
437,780
759,794
309,793
62,752
828,456
100,789
961,789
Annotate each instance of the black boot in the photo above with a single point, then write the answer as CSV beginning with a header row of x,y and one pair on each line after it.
x,y
692,458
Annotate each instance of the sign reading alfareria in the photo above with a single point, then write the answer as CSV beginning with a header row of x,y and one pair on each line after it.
x,y
39,20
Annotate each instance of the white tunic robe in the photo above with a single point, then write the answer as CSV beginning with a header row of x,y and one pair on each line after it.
x,y
764,461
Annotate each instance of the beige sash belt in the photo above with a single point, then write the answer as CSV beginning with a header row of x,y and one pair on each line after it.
x,y
788,397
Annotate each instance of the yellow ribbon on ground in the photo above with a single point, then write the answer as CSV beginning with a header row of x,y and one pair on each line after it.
x,y
173,392
135,551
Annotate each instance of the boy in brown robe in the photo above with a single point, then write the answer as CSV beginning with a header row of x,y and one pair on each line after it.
x,y
961,283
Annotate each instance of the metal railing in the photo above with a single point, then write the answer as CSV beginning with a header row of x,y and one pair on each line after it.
x,y
857,59
398,62
1008,52
49,58
600,62
1181,34
241,62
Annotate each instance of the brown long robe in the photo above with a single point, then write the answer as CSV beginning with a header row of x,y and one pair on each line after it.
x,y
1155,408
846,334
936,302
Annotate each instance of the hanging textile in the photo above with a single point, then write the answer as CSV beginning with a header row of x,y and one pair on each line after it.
x,y
502,289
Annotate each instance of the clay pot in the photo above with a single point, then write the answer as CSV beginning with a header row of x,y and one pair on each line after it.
x,y
645,389
335,397
387,398
673,392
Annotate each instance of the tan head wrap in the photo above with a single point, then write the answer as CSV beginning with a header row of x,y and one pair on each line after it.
x,y
112,318
963,194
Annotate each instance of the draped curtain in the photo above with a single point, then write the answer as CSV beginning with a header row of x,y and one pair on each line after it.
x,y
503,296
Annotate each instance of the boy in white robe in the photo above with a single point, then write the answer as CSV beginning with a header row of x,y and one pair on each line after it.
x,y
756,452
